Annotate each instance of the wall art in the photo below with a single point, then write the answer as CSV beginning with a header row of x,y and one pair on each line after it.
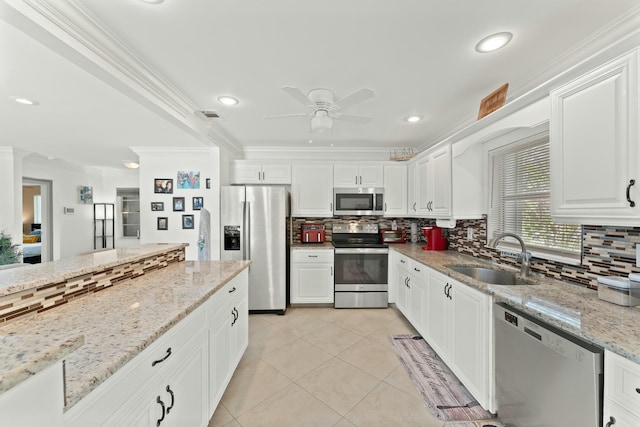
x,y
163,223
85,195
178,204
157,206
187,222
188,180
198,203
163,186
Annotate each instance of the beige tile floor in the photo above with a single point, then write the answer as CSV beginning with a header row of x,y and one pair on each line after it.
x,y
323,367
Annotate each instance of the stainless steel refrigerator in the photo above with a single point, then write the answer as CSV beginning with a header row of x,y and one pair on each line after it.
x,y
253,221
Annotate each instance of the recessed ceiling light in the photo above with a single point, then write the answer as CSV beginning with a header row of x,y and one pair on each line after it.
x,y
493,42
24,101
131,165
227,100
311,141
152,1
414,119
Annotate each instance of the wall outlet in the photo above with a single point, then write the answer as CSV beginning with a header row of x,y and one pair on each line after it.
x,y
469,233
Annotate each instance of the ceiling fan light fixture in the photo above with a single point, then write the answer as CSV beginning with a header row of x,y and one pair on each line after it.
x,y
321,122
228,100
414,119
494,42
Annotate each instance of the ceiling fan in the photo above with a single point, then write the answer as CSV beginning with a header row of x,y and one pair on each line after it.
x,y
324,109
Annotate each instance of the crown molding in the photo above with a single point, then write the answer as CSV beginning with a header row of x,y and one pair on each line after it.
x,y
75,27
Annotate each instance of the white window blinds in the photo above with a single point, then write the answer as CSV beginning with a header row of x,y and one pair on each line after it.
x,y
520,200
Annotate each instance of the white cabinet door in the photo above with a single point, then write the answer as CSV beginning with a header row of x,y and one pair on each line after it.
x,y
395,190
470,332
402,296
371,176
245,173
438,313
422,185
594,146
417,298
345,175
440,183
312,190
311,276
276,173
412,188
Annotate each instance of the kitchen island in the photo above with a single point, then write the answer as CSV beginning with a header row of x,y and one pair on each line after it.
x,y
101,333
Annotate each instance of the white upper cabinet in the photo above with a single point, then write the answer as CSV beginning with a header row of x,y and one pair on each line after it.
x,y
594,146
412,189
255,172
312,190
348,175
433,184
395,190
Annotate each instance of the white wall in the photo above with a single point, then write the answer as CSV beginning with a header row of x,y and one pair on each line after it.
x,y
165,163
11,193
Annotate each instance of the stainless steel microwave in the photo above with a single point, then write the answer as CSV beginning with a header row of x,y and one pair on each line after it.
x,y
358,201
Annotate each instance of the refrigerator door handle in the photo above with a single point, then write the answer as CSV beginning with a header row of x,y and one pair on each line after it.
x,y
245,228
248,229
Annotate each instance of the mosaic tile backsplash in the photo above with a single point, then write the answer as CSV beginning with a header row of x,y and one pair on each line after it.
x,y
606,251
46,297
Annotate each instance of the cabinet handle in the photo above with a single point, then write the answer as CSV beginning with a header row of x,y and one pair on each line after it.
x,y
331,270
232,290
166,356
172,399
385,206
263,176
414,206
360,179
402,261
631,202
258,175
331,206
637,390
408,282
416,269
312,256
356,179
611,422
158,400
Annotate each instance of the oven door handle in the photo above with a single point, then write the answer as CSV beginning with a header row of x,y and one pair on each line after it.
x,y
361,251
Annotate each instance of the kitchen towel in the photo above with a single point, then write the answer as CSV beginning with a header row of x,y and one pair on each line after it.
x,y
442,393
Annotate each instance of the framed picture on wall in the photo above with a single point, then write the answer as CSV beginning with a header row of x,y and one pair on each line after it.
x,y
157,206
85,195
197,203
178,204
163,223
188,180
163,186
208,182
187,222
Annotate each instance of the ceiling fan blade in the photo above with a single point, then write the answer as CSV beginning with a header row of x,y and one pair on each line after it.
x,y
354,118
356,97
280,116
298,95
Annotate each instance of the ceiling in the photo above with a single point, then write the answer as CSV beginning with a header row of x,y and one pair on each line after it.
x,y
416,55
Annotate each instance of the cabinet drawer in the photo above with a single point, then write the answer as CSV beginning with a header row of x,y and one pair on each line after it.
x,y
403,262
622,382
317,255
417,269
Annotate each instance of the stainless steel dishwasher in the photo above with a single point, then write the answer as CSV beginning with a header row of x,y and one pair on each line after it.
x,y
544,376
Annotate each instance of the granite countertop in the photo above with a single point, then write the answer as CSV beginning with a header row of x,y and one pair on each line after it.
x,y
116,323
18,279
324,245
572,308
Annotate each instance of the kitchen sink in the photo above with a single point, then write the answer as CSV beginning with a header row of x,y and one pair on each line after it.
x,y
491,276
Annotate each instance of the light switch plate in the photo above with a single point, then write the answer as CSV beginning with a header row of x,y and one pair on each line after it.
x,y
469,233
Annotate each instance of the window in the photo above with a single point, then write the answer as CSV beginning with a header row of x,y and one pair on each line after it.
x,y
520,188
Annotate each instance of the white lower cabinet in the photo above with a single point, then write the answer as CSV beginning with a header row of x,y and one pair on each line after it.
x,y
621,391
179,379
311,276
454,319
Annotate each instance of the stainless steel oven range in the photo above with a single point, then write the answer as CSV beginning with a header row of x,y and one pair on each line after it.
x,y
361,266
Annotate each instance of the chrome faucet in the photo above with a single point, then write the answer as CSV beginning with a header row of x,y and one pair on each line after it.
x,y
524,256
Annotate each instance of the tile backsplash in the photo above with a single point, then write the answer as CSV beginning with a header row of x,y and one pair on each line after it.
x,y
606,251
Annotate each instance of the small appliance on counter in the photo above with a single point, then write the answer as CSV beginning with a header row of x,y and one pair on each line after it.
x,y
393,236
620,290
312,232
434,240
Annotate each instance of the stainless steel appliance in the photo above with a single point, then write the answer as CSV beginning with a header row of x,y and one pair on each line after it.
x,y
253,221
358,201
544,376
361,267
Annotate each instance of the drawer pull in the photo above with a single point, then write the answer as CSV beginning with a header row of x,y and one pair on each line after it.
x,y
416,269
403,261
232,289
166,356
611,422
172,399
312,256
163,411
637,390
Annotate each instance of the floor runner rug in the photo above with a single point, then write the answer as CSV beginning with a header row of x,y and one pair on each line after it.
x,y
442,393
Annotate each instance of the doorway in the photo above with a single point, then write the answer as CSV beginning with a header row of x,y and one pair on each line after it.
x,y
37,219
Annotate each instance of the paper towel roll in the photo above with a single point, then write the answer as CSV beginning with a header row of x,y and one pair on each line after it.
x,y
414,232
